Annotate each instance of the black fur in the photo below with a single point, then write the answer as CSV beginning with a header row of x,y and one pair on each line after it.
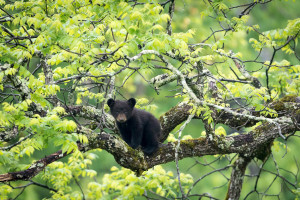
x,y
137,127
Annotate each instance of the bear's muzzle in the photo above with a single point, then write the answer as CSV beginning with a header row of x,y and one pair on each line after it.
x,y
121,118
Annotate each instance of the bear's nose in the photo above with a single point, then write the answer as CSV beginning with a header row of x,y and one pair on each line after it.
x,y
121,118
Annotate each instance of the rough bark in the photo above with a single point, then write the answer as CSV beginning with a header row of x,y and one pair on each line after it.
x,y
237,177
249,145
33,170
252,144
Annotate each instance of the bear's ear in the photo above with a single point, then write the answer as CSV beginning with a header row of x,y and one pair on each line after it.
x,y
132,102
110,102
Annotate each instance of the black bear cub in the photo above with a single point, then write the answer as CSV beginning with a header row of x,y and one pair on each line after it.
x,y
137,127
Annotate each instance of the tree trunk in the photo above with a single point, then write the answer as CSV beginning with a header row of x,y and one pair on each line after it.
x,y
237,177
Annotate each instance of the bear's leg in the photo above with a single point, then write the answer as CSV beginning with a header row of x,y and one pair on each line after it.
x,y
126,138
137,136
150,141
125,134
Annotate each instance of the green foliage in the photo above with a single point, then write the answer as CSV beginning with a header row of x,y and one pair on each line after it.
x,y
61,174
4,191
56,55
277,38
124,184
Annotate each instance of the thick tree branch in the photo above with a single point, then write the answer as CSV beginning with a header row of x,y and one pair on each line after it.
x,y
33,170
250,145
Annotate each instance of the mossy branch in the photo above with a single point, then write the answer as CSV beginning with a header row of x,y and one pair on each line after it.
x,y
249,145
252,144
33,170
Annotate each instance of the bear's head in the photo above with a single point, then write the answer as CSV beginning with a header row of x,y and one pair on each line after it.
x,y
121,110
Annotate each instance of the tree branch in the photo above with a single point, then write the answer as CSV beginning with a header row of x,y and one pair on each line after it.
x,y
33,170
237,177
251,145
171,12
